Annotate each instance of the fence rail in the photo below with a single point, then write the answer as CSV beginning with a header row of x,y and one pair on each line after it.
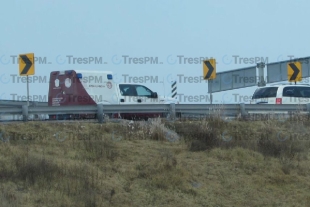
x,y
226,110
9,103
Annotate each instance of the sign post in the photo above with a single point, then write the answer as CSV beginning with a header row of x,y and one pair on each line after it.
x,y
261,77
209,73
26,68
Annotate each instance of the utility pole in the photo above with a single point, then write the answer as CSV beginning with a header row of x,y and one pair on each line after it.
x,y
262,81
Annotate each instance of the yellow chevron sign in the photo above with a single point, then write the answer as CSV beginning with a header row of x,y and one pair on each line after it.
x,y
294,71
26,64
209,69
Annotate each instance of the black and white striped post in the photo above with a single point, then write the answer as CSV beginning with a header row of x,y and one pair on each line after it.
x,y
174,89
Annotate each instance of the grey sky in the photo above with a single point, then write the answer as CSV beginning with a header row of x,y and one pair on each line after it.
x,y
153,29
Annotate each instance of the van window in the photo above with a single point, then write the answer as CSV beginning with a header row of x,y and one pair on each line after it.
x,y
297,91
265,92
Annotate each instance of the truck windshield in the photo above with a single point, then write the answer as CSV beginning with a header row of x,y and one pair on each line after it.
x,y
265,92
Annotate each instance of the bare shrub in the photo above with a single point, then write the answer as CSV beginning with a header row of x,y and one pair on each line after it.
x,y
201,135
168,159
99,149
34,169
153,129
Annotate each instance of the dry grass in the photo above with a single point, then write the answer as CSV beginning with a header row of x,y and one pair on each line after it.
x,y
216,163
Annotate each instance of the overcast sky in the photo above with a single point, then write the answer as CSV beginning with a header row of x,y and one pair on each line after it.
x,y
112,32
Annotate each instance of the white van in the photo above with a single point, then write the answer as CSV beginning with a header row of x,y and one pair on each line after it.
x,y
82,87
282,94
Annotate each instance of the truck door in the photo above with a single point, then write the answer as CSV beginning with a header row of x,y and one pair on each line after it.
x,y
146,95
137,94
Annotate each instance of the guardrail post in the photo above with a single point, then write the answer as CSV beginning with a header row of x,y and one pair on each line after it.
x,y
242,110
100,113
25,112
172,111
308,110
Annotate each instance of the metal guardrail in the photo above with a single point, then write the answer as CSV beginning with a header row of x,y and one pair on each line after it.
x,y
9,103
232,110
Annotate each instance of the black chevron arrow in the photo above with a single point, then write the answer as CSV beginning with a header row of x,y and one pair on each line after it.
x,y
296,71
211,69
27,62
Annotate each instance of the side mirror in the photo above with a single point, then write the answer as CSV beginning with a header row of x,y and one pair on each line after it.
x,y
154,95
